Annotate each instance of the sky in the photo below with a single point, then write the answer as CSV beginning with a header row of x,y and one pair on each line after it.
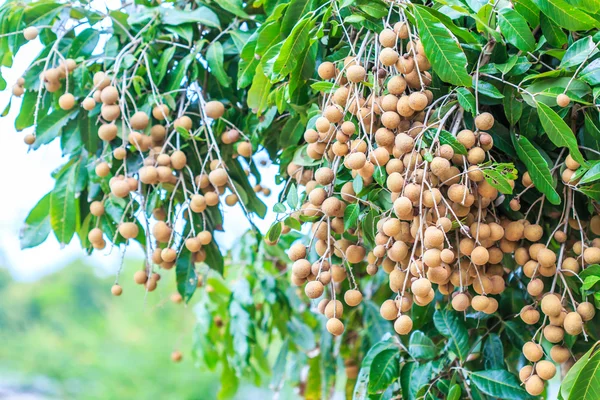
x,y
26,179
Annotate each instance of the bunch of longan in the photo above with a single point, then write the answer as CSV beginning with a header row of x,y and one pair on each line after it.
x,y
440,229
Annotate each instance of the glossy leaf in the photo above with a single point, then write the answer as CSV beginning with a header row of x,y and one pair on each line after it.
x,y
37,224
559,132
384,370
515,29
449,325
498,383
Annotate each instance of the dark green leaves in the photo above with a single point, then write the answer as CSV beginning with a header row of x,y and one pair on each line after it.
x,y
351,214
384,370
64,204
583,380
421,346
445,137
515,29
187,279
84,43
50,126
37,225
442,48
578,52
202,15
466,99
449,325
538,168
559,132
292,48
565,15
215,58
498,383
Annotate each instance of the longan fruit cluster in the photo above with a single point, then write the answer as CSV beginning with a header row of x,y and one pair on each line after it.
x,y
439,233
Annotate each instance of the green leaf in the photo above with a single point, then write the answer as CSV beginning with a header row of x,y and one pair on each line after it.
x,y
591,73
351,214
420,346
274,232
578,52
214,57
591,191
528,10
187,280
291,133
559,132
202,15
552,32
454,392
497,180
413,377
64,204
176,77
292,48
442,48
515,29
498,383
487,89
513,108
593,174
384,370
538,168
296,10
361,387
37,224
466,99
84,43
493,352
325,87
445,137
163,64
448,324
292,197
565,15
570,380
50,126
236,7
259,91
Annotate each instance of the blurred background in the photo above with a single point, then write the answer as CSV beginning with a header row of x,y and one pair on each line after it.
x,y
63,334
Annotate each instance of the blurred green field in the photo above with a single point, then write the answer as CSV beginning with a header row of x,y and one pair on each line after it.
x,y
65,336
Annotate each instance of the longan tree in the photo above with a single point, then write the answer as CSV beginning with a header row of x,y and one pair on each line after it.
x,y
440,179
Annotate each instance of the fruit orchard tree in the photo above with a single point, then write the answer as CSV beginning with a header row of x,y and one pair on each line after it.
x,y
437,231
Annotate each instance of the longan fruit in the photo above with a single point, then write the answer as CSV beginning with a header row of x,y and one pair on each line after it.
x,y
554,334
88,104
176,356
326,70
389,310
535,287
529,315
161,112
534,385
355,254
467,138
178,159
140,277
95,235
66,101
102,169
314,289
109,95
30,33
480,255
480,303
168,254
545,369
184,122
324,176
388,57
297,251
29,139
18,90
421,287
551,305
139,121
334,326
214,109
107,132
562,100
492,306
396,85
546,257
355,161
161,232
573,323
329,309
218,177
586,310
387,38
193,245
533,351
110,112
356,73
403,325
128,230
591,255
484,121
353,297
116,290
120,188
405,64
97,208
525,372
417,101
244,149
559,354
533,232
